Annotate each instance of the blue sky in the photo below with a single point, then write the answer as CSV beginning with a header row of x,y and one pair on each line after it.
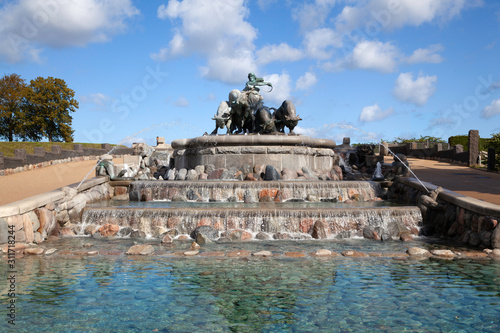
x,y
369,69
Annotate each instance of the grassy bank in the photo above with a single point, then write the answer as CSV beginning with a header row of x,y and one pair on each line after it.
x,y
7,148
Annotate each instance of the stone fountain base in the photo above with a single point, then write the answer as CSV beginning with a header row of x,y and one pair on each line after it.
x,y
281,151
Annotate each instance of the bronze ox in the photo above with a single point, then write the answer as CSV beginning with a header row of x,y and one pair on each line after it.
x,y
285,116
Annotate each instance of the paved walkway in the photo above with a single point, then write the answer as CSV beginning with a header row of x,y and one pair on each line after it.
x,y
467,181
471,182
23,185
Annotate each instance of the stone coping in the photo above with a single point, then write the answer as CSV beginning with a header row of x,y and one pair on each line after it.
x,y
40,200
457,199
253,140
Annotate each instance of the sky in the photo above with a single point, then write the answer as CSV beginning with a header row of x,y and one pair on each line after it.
x,y
370,70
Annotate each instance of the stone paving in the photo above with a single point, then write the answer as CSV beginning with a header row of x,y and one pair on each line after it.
x,y
472,182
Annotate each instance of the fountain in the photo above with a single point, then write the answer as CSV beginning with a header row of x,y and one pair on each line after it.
x,y
257,179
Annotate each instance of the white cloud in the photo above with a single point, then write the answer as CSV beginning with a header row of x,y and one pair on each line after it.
x,y
281,52
265,4
319,43
281,88
230,68
26,26
416,91
491,110
375,55
306,81
216,29
182,102
428,55
374,113
388,15
307,131
98,99
339,131
313,15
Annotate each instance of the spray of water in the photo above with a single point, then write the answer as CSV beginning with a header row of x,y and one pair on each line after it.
x,y
99,161
346,126
407,167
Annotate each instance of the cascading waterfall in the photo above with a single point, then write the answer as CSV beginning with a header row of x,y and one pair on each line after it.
x,y
217,191
392,220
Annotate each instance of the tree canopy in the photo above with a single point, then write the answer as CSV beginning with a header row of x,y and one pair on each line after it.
x,y
13,91
39,110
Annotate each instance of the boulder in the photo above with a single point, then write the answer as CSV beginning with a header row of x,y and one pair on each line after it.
x,y
226,175
443,253
138,234
262,236
495,238
282,235
405,237
109,230
259,169
385,237
179,198
289,174
167,239
356,254
369,233
209,168
215,174
323,253
66,232
240,235
192,175
319,230
418,252
271,174
202,239
206,230
262,254
487,224
182,174
34,250
474,239
140,249
312,198
124,232
485,237
199,169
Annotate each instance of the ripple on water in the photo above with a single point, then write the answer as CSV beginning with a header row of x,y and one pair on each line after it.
x,y
119,293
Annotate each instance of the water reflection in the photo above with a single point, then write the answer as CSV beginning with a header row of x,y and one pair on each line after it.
x,y
118,293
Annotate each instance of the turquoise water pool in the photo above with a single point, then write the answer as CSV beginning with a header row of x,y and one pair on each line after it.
x,y
166,294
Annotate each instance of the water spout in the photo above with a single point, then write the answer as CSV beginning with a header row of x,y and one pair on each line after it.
x,y
407,167
378,173
99,161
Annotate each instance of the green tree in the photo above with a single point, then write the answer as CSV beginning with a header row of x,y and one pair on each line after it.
x,y
426,138
495,143
50,103
12,104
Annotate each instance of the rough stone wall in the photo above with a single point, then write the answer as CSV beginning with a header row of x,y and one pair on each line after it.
x,y
443,218
21,159
38,224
